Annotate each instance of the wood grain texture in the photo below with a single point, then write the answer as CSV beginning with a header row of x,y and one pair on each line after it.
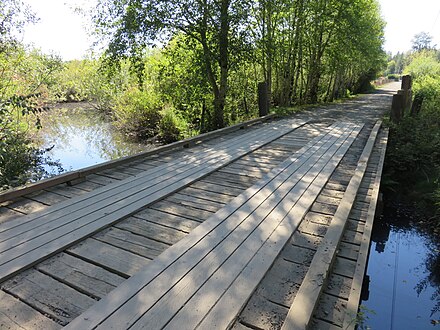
x,y
303,307
33,243
137,283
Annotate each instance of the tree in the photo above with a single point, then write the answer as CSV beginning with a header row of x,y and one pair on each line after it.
x,y
422,41
14,15
217,25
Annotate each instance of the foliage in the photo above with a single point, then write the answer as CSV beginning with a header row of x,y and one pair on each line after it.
x,y
137,113
423,64
14,15
20,160
422,41
217,51
413,157
216,25
25,77
393,76
171,127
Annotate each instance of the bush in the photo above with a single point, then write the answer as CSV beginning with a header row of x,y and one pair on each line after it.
x,y
394,76
20,161
171,127
137,113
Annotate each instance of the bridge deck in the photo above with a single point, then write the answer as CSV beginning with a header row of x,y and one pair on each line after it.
x,y
201,253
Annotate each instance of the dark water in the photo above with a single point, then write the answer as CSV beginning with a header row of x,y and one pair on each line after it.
x,y
82,137
404,289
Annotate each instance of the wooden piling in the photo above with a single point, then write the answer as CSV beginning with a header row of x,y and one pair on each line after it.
x,y
263,99
397,108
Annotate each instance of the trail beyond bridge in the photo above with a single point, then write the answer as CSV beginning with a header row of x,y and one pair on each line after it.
x,y
263,225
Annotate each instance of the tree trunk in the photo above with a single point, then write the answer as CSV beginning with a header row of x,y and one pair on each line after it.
x,y
220,98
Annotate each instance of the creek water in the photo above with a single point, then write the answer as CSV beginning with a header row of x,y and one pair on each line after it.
x,y
404,274
82,136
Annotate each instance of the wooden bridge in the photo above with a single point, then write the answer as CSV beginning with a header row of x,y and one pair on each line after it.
x,y
263,225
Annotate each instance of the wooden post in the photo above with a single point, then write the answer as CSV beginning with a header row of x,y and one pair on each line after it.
x,y
397,108
406,82
263,99
417,104
407,93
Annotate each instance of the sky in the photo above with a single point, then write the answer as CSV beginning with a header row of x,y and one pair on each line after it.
x,y
405,18
62,32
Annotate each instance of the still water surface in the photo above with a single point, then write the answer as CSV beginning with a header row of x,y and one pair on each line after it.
x,y
82,137
404,290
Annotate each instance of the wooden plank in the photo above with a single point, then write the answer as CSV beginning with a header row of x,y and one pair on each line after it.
x,y
120,297
305,240
252,174
15,314
254,169
46,197
88,185
195,202
8,214
67,191
261,313
48,295
116,260
331,309
297,254
131,242
83,276
182,210
233,180
281,283
101,179
151,230
322,325
20,191
303,307
242,242
207,186
114,173
338,286
167,219
227,307
158,174
39,248
353,301
26,206
208,195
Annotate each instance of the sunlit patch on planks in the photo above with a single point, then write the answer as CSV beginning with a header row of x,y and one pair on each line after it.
x,y
211,273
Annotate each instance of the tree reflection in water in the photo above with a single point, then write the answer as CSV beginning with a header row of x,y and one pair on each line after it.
x,y
81,136
404,270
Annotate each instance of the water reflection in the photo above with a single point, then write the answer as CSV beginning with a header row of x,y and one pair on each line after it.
x,y
82,137
404,273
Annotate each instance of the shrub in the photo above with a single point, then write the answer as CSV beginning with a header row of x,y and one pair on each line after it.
x,y
171,127
20,160
394,76
137,113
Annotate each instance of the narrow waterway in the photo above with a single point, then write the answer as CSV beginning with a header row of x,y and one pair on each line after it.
x,y
404,274
81,137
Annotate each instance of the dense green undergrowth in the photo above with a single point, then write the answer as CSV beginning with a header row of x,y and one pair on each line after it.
x,y
412,168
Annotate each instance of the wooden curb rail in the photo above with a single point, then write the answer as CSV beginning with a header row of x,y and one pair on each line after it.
x,y
301,311
82,173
